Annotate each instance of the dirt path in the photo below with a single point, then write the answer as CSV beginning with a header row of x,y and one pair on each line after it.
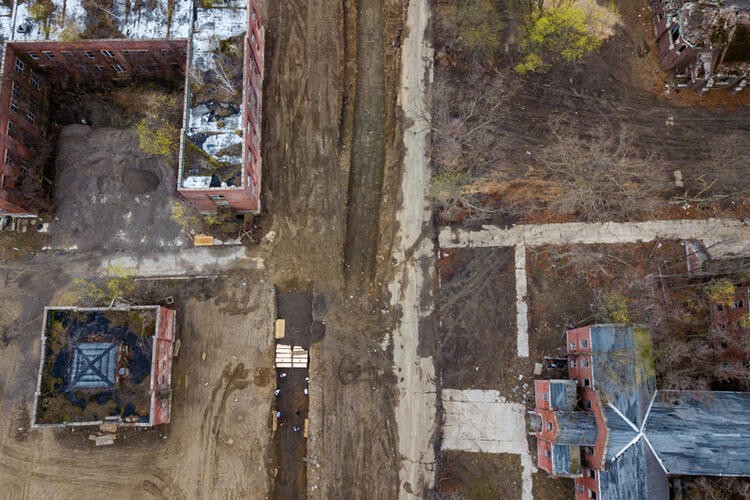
x,y
721,236
304,184
411,288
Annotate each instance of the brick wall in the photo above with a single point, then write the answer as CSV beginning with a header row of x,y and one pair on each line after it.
x,y
97,61
161,373
544,455
28,69
246,198
580,368
542,394
579,339
729,321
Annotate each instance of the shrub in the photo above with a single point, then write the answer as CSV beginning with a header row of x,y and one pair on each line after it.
x,y
118,284
614,308
41,11
157,138
474,25
447,184
721,291
184,216
555,33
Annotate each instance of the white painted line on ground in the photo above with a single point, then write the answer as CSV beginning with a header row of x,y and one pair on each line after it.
x,y
522,306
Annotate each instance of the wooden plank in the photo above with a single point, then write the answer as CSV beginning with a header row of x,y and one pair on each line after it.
x,y
278,332
203,240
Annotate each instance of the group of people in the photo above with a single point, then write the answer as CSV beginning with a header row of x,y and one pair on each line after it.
x,y
299,418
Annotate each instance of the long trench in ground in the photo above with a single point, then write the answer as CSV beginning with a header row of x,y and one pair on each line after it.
x,y
368,149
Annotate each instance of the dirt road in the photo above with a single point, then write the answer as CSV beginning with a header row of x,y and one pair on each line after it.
x,y
411,289
325,212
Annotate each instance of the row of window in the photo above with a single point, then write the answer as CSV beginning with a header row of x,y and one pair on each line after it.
x,y
118,68
737,304
30,116
33,77
91,53
736,325
584,344
17,94
25,166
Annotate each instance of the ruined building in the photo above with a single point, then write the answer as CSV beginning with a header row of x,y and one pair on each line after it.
x,y
730,322
617,436
216,47
105,365
704,44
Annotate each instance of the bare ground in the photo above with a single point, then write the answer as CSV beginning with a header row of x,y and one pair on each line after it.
x,y
480,476
110,195
476,340
216,443
618,87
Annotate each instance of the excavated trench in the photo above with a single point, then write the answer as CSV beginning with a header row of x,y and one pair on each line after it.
x,y
368,148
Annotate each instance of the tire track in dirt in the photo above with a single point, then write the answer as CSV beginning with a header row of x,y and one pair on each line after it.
x,y
304,182
19,462
232,379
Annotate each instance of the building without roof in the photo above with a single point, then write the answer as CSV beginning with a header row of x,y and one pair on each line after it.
x,y
705,44
105,365
219,160
617,436
730,322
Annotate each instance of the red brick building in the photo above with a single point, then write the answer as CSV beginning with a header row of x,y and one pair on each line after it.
x,y
30,66
28,69
617,436
105,364
705,45
730,322
206,192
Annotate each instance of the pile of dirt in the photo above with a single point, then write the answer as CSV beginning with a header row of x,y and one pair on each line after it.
x,y
109,194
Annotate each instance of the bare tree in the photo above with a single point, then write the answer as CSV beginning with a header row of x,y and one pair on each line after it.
x,y
601,174
721,175
225,81
465,146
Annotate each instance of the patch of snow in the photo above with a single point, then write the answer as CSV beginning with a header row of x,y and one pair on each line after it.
x,y
197,182
70,15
